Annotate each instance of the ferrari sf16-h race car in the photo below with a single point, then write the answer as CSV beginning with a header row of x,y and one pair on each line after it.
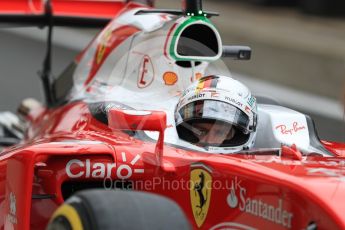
x,y
103,152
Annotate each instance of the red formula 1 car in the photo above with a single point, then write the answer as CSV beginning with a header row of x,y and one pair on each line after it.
x,y
103,153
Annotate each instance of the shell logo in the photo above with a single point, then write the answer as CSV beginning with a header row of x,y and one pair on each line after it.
x,y
170,78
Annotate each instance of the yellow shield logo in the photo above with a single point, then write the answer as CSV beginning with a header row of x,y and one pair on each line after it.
x,y
200,194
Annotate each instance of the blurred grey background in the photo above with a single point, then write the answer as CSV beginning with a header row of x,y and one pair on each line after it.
x,y
298,55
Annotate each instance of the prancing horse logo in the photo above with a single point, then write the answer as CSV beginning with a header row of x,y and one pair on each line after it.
x,y
198,187
200,194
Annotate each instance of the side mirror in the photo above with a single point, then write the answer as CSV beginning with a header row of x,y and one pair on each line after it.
x,y
291,152
135,120
237,52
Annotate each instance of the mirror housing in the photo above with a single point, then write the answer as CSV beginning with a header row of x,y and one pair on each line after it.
x,y
237,52
136,120
291,152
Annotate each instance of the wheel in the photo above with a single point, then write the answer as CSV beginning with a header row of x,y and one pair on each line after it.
x,y
99,209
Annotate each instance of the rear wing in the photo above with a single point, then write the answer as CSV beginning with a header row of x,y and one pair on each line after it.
x,y
75,13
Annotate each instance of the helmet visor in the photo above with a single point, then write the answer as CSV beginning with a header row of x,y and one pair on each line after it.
x,y
213,123
214,110
205,133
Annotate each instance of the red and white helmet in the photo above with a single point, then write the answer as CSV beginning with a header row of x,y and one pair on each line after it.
x,y
218,114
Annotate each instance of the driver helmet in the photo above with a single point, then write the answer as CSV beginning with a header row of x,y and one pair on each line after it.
x,y
218,114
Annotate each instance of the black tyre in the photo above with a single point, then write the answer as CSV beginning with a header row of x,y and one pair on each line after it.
x,y
105,210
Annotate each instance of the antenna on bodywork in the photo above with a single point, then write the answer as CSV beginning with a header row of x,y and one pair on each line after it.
x,y
192,7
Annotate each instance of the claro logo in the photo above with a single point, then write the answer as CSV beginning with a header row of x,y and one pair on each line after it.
x,y
76,168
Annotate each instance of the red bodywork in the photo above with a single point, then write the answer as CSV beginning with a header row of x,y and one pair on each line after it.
x,y
67,146
75,8
70,133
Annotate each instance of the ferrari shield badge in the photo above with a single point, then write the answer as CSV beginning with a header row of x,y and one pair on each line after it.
x,y
200,192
